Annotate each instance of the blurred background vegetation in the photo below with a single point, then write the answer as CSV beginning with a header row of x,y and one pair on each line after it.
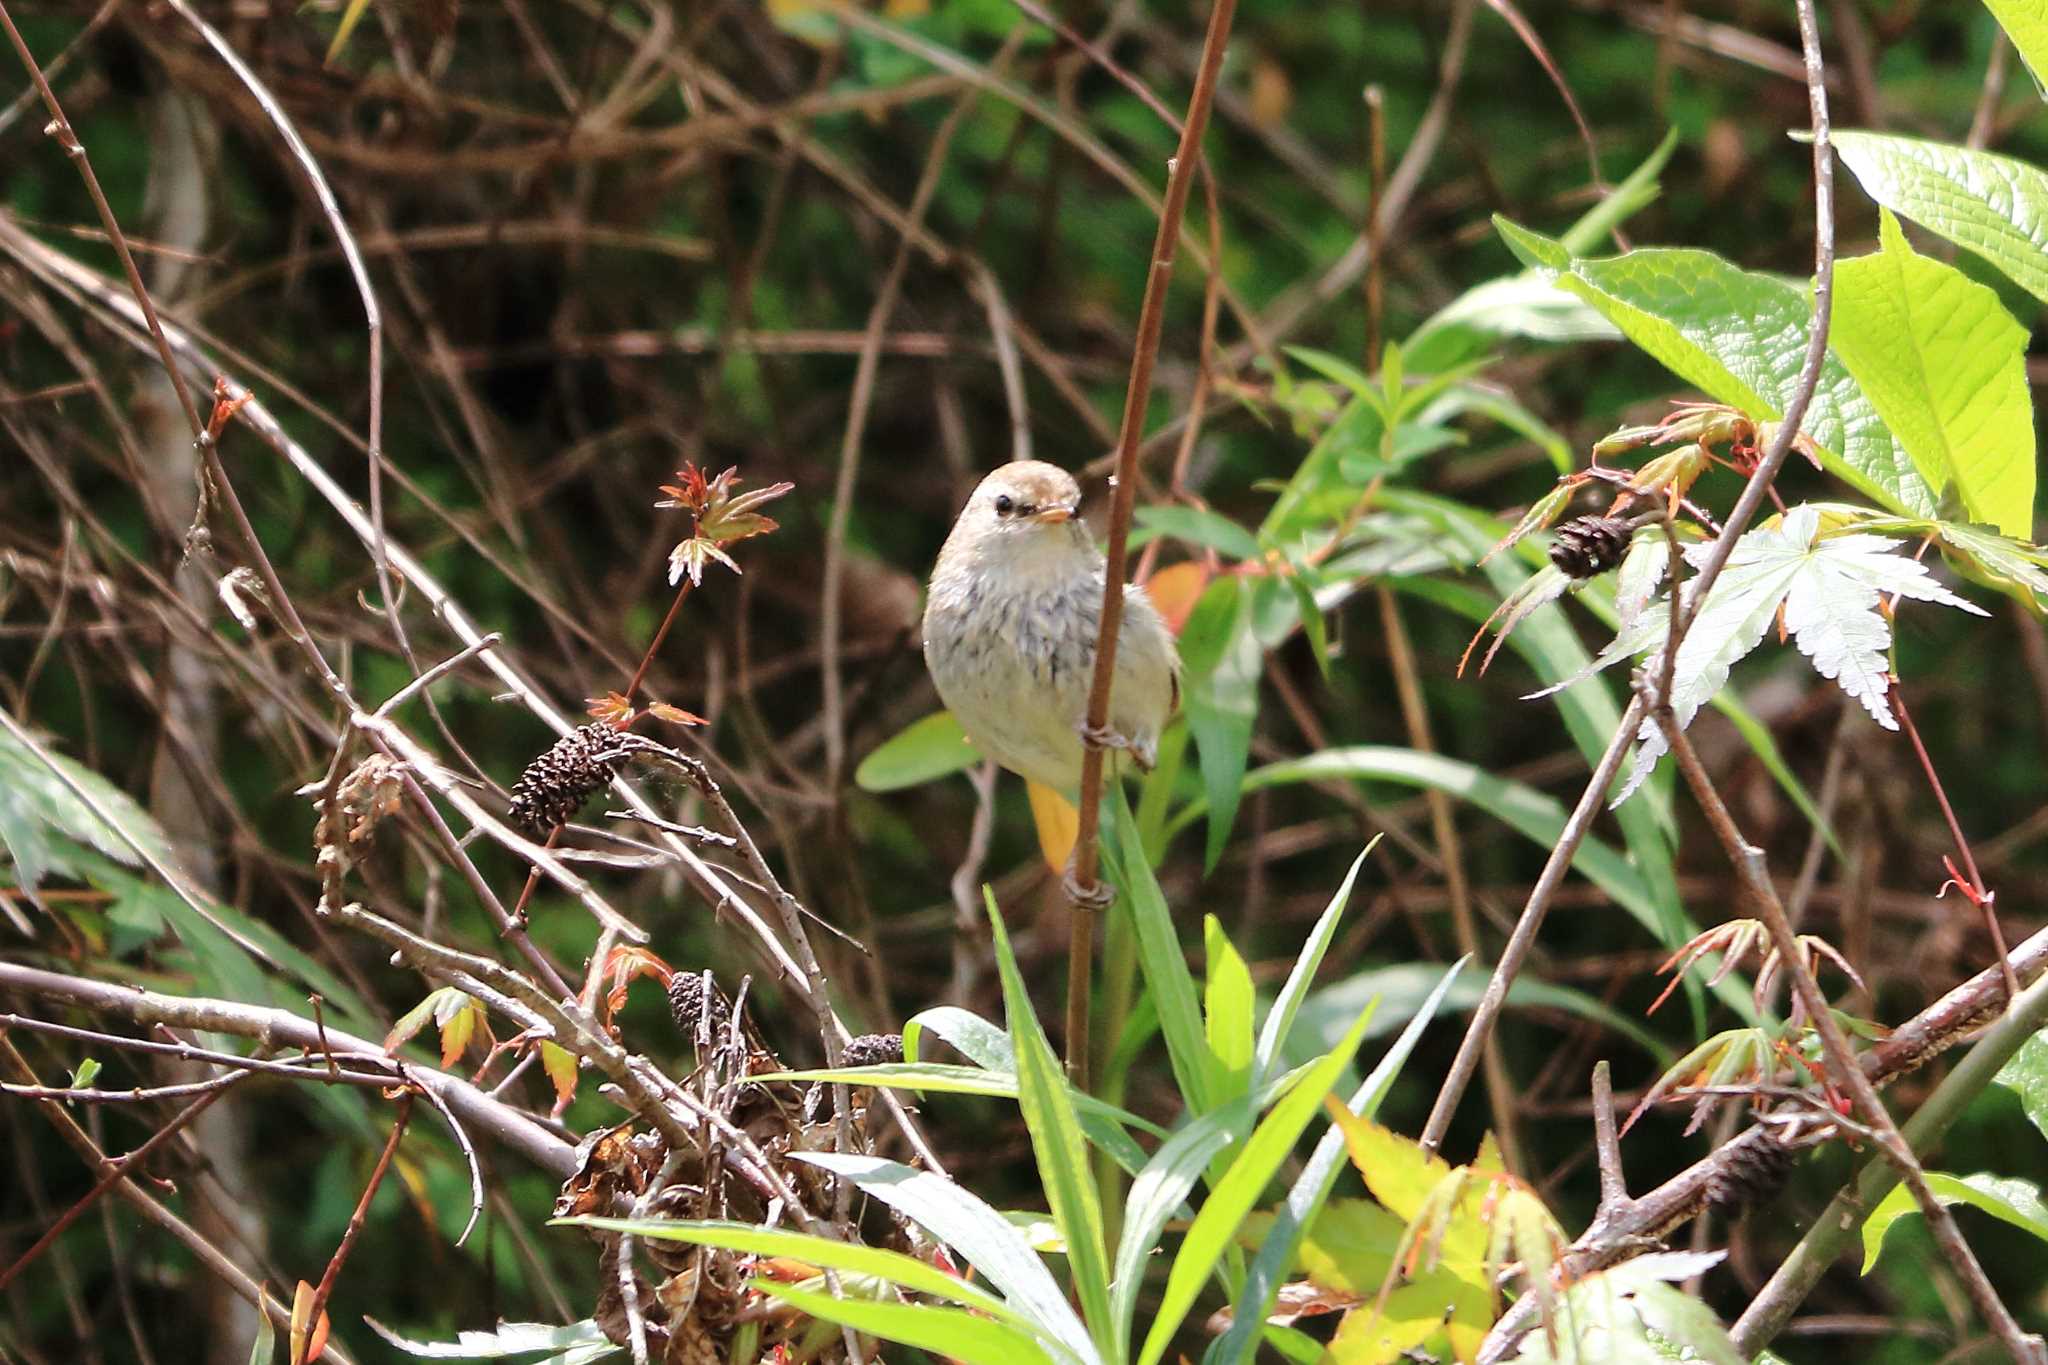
x,y
610,239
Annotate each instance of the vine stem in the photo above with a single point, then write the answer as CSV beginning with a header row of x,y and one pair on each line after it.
x,y
1180,178
1523,936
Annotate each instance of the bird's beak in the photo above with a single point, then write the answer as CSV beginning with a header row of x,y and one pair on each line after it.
x,y
1053,516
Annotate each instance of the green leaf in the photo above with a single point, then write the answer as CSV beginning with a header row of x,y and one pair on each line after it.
x,y
921,752
1056,1141
854,1257
85,1073
264,1349
1199,526
1983,202
985,1044
1311,1188
978,1232
950,1332
1420,1309
1242,1185
2026,23
1945,366
2017,1202
1165,967
1630,1316
1280,1019
1402,986
1227,1010
34,801
2026,1075
1157,1193
1741,338
1220,696
945,1079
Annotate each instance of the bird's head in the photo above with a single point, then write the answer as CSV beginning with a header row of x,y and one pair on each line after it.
x,y
1028,501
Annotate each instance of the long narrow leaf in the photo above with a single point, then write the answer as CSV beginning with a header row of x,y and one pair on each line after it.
x,y
961,1220
1280,1018
823,1252
1209,1236
950,1332
1276,1256
1056,1142
1164,964
1158,1191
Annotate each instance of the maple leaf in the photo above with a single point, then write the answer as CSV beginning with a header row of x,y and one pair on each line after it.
x,y
690,556
1825,589
612,708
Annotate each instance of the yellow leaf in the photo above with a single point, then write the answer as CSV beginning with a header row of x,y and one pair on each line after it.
x,y
350,17
309,1338
560,1064
1059,824
1397,1170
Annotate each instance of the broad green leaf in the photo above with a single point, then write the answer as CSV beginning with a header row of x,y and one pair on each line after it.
x,y
1158,1192
1056,1141
1240,1188
1432,1303
1098,1120
1741,338
2017,1202
1227,1010
953,1333
1280,1018
1630,1315
1311,1188
827,1254
923,751
1524,305
978,1232
1945,366
2026,23
34,800
1983,202
2026,1075
1165,967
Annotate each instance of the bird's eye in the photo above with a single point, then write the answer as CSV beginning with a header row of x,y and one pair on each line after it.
x,y
1004,504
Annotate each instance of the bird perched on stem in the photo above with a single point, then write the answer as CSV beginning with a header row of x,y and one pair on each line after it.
x,y
1010,630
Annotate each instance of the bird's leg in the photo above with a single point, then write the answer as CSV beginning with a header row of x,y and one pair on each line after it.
x,y
1097,896
1103,737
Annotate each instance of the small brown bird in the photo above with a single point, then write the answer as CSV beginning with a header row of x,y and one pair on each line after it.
x,y
1010,628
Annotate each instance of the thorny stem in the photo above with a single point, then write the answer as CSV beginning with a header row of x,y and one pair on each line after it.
x,y
1151,322
1748,862
1752,497
1980,895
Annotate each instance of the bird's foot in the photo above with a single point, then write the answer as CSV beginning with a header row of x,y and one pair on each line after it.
x,y
1095,895
1103,737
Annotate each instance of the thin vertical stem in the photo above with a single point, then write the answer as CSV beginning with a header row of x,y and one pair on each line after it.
x,y
1151,322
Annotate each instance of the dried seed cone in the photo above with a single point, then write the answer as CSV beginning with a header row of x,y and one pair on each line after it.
x,y
1750,1172
689,993
555,785
874,1049
1586,547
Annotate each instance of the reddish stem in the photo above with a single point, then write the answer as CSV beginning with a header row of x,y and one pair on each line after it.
x,y
633,687
1980,895
356,1220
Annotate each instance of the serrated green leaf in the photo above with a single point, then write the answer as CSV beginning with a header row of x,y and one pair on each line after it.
x,y
2026,23
2026,1075
1631,1315
1945,366
923,751
2013,1201
1740,337
1986,203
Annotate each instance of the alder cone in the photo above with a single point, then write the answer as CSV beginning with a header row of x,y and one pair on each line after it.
x,y
1586,547
874,1049
1750,1172
555,785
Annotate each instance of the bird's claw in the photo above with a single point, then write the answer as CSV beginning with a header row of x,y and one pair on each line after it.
x,y
1095,895
1103,737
